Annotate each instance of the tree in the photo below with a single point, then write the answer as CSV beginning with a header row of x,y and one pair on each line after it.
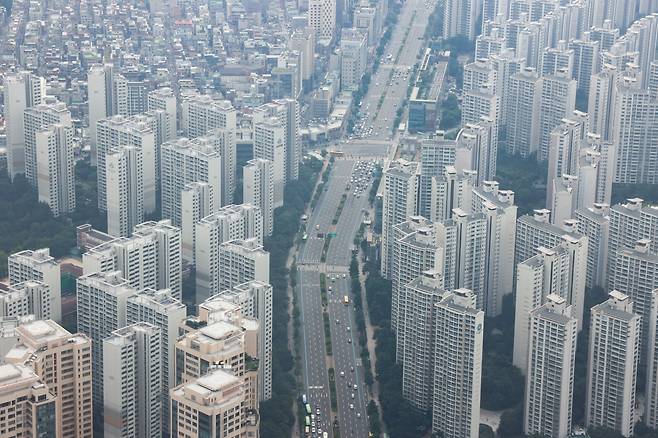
x,y
511,423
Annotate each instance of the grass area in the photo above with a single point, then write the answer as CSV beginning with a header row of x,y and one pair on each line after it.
x,y
339,210
526,177
332,389
327,333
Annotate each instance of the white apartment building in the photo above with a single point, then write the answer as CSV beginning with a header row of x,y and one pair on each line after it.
x,y
229,223
417,327
135,257
202,113
636,275
400,201
460,18
168,254
477,146
115,132
197,202
102,303
164,99
630,222
38,265
614,355
557,100
240,261
436,156
63,362
451,190
21,91
558,271
188,161
160,308
457,365
594,223
522,119
258,190
415,251
30,297
49,112
55,168
124,190
551,360
287,112
100,100
270,144
651,385
132,382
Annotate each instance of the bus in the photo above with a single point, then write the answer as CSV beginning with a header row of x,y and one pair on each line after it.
x,y
346,300
308,409
308,421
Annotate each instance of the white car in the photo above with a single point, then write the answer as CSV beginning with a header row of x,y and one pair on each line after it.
x,y
351,406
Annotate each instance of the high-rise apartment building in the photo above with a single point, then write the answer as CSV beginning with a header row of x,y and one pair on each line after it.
x,y
102,303
614,355
460,18
197,202
215,404
124,190
202,113
30,297
228,223
28,408
63,363
112,134
557,100
415,251
477,148
636,275
49,112
457,364
241,261
270,144
401,185
40,266
188,161
594,222
522,120
254,302
258,190
132,382
651,385
451,190
160,308
287,112
164,99
100,99
417,327
21,91
55,168
550,377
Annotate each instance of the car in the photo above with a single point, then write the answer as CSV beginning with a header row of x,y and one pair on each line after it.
x,y
313,424
358,415
348,328
351,406
313,429
352,395
338,321
349,340
318,411
342,374
344,275
355,387
352,369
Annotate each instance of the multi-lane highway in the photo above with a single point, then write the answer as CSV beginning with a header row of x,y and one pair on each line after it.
x,y
348,184
389,85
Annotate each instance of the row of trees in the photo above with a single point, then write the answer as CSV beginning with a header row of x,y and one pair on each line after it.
x,y
276,415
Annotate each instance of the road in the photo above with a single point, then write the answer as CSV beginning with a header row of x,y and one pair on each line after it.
x,y
349,183
389,85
